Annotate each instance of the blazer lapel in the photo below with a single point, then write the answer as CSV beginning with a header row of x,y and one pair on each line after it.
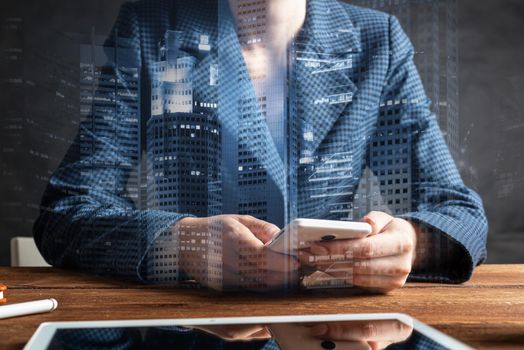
x,y
323,93
323,56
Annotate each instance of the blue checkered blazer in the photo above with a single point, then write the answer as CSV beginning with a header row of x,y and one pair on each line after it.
x,y
85,224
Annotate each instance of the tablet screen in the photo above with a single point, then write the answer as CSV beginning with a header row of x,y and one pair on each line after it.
x,y
340,335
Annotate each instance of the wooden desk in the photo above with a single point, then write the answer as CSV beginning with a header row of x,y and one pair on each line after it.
x,y
487,312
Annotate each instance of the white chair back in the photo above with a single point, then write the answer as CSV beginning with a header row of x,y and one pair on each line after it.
x,y
25,253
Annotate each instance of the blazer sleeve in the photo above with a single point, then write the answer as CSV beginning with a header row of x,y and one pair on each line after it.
x,y
450,215
87,219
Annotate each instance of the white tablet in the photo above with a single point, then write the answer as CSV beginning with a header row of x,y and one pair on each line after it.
x,y
300,233
322,332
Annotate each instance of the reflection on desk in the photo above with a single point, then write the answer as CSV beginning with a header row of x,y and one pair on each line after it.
x,y
345,335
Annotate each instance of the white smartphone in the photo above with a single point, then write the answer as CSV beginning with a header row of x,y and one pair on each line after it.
x,y
300,233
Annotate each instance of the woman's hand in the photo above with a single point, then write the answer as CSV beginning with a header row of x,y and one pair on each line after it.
x,y
241,258
376,334
341,335
379,262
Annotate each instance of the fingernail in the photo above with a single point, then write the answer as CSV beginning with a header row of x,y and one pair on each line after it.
x,y
370,222
319,250
319,330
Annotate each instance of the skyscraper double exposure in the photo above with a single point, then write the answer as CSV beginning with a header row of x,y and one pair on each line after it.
x,y
184,153
206,154
232,115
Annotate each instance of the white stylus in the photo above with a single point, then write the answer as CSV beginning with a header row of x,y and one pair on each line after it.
x,y
28,308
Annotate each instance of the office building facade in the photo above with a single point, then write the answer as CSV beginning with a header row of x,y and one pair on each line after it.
x,y
183,162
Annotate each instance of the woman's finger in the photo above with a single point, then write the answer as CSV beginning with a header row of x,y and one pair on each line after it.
x,y
263,230
380,284
379,330
388,243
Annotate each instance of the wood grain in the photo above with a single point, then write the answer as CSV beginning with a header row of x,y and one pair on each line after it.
x,y
487,312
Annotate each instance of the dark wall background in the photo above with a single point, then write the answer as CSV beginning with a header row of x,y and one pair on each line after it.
x,y
491,81
40,47
492,117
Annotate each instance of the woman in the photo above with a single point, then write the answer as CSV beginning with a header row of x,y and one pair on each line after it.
x,y
307,97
